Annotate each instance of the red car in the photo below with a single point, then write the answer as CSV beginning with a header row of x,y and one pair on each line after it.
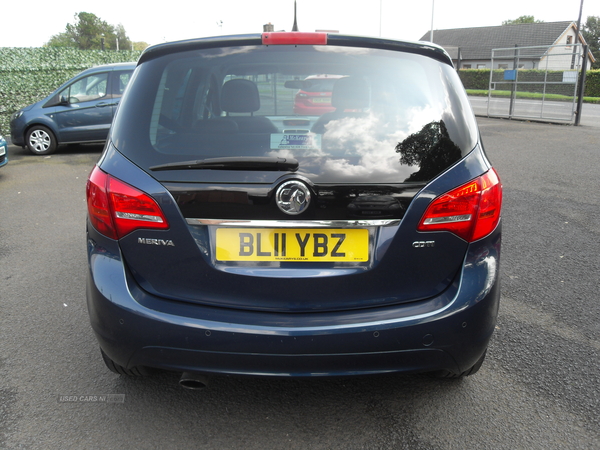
x,y
314,98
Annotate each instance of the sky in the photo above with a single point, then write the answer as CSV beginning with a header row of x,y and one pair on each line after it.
x,y
32,23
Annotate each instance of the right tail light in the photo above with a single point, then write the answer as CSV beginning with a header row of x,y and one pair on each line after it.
x,y
471,211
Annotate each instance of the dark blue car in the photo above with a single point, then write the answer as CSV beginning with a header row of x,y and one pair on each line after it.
x,y
81,110
227,235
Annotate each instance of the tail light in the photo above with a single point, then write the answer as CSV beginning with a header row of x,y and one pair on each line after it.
x,y
116,208
471,211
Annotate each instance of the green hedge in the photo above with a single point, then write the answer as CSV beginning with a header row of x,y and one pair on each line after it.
x,y
27,75
480,79
475,78
592,83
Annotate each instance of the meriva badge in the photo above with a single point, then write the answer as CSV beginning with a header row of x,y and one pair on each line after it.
x,y
293,197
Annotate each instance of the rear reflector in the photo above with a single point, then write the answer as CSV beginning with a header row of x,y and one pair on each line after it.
x,y
294,38
116,208
471,211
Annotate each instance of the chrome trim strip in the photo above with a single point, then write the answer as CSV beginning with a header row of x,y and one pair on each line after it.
x,y
295,223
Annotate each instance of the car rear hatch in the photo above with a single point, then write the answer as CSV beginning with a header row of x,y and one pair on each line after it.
x,y
265,210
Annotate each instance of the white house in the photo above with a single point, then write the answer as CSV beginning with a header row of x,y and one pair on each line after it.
x,y
471,48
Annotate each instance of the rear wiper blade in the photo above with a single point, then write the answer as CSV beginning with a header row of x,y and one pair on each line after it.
x,y
234,163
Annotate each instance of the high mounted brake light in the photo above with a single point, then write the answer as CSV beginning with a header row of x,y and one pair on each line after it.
x,y
294,38
471,211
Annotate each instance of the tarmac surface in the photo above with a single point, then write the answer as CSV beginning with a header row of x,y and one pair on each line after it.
x,y
538,389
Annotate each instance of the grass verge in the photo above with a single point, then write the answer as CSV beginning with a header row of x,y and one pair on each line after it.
x,y
530,95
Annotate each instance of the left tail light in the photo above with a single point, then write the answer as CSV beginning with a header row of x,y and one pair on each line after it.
x,y
116,209
471,211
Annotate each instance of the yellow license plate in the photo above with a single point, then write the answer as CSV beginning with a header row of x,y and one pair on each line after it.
x,y
292,244
321,99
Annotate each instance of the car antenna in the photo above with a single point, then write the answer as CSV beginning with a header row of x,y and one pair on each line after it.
x,y
295,26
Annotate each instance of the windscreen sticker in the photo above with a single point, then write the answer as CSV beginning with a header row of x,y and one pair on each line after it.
x,y
296,141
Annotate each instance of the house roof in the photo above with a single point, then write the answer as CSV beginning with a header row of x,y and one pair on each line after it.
x,y
477,43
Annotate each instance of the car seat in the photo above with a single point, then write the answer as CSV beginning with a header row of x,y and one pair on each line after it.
x,y
241,96
351,97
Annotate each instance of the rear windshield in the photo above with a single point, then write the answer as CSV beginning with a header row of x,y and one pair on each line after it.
x,y
379,108
318,84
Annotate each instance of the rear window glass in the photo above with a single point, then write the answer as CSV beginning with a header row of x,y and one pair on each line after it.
x,y
376,106
120,80
318,84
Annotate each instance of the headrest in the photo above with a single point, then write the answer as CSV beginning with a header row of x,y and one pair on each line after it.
x,y
351,93
240,96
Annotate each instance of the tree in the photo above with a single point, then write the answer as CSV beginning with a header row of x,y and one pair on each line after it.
x,y
591,34
521,19
89,32
141,45
122,42
431,149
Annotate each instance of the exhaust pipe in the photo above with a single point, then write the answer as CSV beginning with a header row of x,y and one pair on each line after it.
x,y
195,381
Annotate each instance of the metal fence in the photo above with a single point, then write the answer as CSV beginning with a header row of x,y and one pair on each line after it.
x,y
537,83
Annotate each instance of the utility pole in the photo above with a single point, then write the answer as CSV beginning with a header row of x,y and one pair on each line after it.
x,y
579,21
580,88
432,10
513,86
380,12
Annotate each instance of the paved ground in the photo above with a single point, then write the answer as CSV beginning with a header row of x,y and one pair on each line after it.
x,y
539,387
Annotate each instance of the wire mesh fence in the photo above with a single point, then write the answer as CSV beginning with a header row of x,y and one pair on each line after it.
x,y
535,82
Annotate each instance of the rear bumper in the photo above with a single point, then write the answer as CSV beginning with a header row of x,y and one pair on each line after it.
x,y
448,332
17,132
